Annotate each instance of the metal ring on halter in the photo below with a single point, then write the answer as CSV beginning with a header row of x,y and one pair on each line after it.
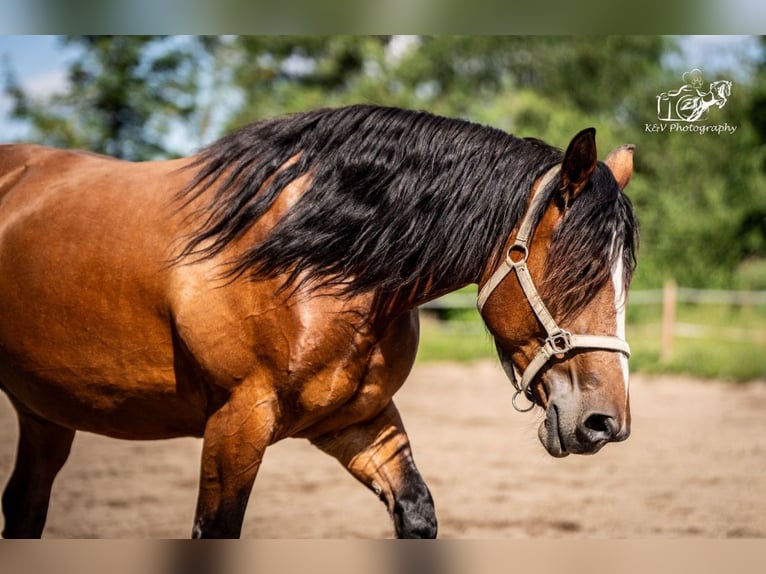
x,y
517,248
532,404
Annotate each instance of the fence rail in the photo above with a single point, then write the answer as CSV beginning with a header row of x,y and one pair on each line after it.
x,y
671,295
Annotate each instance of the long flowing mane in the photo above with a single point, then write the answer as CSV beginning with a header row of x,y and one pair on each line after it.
x,y
397,199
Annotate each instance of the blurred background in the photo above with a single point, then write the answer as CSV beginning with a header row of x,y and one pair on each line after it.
x,y
698,301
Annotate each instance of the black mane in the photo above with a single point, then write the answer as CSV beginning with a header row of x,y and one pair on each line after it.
x,y
397,199
599,227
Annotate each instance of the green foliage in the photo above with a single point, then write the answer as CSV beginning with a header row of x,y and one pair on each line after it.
x,y
454,341
701,199
751,275
698,197
124,92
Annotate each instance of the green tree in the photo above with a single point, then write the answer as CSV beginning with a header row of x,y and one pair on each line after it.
x,y
752,228
124,94
701,199
453,75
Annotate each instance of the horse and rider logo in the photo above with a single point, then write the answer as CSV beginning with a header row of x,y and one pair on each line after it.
x,y
690,103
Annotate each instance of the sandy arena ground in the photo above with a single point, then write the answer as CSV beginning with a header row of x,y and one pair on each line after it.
x,y
695,466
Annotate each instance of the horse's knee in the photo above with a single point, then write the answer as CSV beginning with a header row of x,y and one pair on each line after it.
x,y
413,510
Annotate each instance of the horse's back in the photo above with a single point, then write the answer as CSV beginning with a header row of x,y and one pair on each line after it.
x,y
20,160
68,208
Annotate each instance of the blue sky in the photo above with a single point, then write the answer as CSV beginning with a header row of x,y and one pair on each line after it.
x,y
33,55
40,64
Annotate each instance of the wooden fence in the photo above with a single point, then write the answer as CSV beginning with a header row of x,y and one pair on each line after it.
x,y
671,295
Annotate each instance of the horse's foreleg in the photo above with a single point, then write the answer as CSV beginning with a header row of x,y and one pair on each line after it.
x,y
235,438
43,448
378,454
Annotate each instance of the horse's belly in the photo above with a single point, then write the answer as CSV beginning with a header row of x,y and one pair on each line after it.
x,y
124,409
117,374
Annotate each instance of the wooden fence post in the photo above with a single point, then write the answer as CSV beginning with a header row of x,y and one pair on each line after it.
x,y
669,300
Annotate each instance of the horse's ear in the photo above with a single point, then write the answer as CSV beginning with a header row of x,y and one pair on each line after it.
x,y
579,162
620,162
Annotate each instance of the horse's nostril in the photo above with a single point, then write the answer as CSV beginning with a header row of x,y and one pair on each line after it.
x,y
602,424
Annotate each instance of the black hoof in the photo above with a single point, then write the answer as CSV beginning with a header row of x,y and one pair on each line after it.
x,y
414,515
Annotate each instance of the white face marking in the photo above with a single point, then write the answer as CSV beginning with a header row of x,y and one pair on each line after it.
x,y
620,302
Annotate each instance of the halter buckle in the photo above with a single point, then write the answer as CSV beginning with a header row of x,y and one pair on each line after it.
x,y
559,342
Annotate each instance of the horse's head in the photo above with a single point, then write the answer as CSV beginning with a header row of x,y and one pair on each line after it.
x,y
564,346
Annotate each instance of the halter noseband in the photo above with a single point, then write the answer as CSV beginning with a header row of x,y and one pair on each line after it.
x,y
558,341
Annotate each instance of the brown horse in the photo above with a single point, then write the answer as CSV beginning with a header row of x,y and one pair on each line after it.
x,y
268,288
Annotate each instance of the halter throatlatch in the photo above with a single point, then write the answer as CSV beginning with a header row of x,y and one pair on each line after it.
x,y
558,341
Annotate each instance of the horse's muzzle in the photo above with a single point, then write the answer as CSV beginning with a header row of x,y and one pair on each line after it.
x,y
561,436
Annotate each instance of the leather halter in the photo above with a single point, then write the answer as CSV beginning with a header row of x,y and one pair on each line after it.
x,y
558,341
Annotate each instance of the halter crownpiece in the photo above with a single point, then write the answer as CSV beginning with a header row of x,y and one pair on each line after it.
x,y
558,341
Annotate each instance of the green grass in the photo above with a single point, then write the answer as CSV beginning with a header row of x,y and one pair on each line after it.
x,y
454,341
714,356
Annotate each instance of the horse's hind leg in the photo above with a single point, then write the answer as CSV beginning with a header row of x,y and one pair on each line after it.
x,y
42,450
378,454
